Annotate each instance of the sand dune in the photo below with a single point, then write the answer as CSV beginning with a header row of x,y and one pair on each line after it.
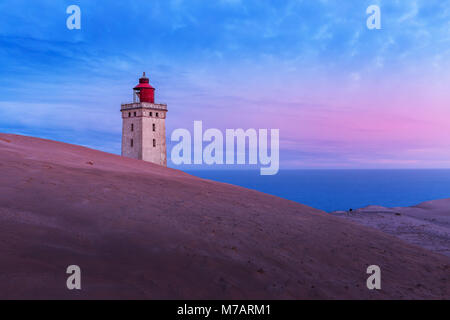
x,y
426,225
142,231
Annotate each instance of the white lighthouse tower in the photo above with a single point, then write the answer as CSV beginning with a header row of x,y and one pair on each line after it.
x,y
144,125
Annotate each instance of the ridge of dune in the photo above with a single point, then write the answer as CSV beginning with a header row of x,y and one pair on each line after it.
x,y
138,230
426,225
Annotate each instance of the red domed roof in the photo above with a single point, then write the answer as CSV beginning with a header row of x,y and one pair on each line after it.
x,y
144,90
144,83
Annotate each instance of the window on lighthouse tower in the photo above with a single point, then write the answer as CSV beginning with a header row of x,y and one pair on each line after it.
x,y
154,127
154,142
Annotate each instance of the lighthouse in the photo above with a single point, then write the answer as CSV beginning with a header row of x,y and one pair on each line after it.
x,y
144,125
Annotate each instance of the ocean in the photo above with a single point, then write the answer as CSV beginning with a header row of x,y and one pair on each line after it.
x,y
331,190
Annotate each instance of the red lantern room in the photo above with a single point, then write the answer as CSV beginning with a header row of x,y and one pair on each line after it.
x,y
144,91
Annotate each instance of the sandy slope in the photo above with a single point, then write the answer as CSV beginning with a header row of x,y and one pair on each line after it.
x,y
426,225
138,230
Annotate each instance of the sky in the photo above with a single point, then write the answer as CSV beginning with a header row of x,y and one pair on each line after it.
x,y
343,96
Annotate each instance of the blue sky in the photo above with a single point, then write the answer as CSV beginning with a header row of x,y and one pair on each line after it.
x,y
310,68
